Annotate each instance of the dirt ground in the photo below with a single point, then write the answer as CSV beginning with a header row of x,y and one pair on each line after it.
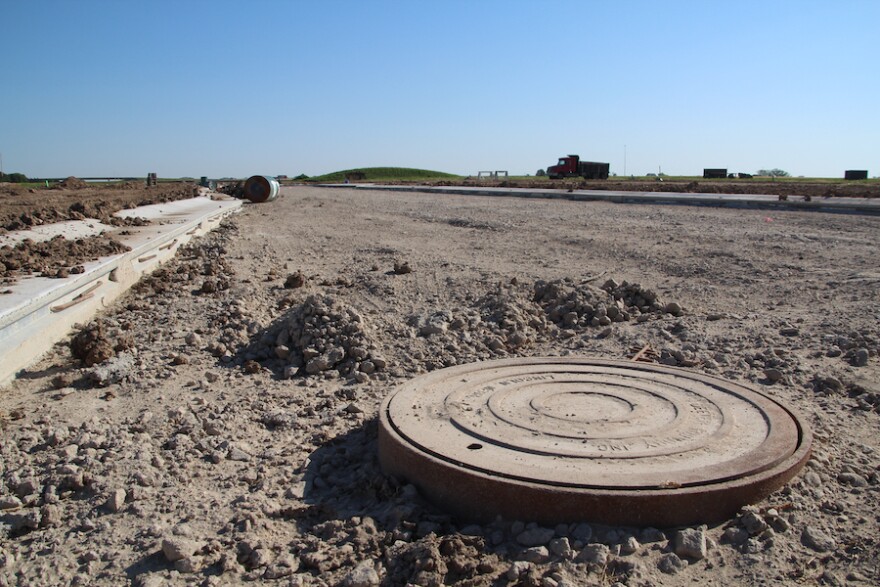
x,y
217,425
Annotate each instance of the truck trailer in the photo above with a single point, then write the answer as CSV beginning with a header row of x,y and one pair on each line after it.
x,y
572,166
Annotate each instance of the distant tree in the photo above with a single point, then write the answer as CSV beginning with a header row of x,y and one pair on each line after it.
x,y
540,173
772,173
13,177
301,176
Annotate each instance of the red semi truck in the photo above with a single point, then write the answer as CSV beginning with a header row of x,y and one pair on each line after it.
x,y
572,166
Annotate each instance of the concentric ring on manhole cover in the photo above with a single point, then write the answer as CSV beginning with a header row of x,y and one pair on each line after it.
x,y
565,439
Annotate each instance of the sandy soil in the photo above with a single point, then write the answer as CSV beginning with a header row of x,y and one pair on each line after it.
x,y
210,432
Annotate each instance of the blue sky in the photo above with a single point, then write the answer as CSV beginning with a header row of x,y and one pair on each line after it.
x,y
221,88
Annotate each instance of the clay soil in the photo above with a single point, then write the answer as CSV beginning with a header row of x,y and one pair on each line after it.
x,y
218,424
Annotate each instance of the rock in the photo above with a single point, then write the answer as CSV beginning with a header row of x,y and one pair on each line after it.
x,y
9,502
691,543
317,364
535,554
789,331
236,454
50,515
496,344
402,268
735,535
284,566
595,553
186,565
673,308
630,545
23,520
151,580
773,375
193,339
582,532
671,564
853,479
295,280
518,568
116,500
779,524
860,358
561,548
536,536
432,328
176,548
352,408
753,522
813,537
650,534
113,370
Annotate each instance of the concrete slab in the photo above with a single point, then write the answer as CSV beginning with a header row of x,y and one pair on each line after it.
x,y
39,311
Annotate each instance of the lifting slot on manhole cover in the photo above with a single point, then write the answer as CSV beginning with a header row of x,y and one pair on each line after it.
x,y
560,440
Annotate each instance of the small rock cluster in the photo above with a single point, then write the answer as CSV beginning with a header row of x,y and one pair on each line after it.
x,y
855,347
324,334
572,305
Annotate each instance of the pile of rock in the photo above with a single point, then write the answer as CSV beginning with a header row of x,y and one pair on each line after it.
x,y
326,335
572,305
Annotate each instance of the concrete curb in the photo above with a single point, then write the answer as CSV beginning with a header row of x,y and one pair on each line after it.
x,y
41,311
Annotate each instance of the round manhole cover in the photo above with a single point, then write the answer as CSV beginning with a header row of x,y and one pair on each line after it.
x,y
562,439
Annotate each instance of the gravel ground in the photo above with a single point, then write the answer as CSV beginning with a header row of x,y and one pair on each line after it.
x,y
217,425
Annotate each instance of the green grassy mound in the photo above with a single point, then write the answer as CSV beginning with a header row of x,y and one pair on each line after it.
x,y
382,174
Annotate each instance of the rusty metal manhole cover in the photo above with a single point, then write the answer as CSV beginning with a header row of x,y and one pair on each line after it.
x,y
564,439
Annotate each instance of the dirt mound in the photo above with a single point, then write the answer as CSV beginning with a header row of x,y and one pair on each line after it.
x,y
99,341
71,183
324,334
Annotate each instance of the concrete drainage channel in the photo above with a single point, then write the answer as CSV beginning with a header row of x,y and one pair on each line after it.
x,y
40,311
562,439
